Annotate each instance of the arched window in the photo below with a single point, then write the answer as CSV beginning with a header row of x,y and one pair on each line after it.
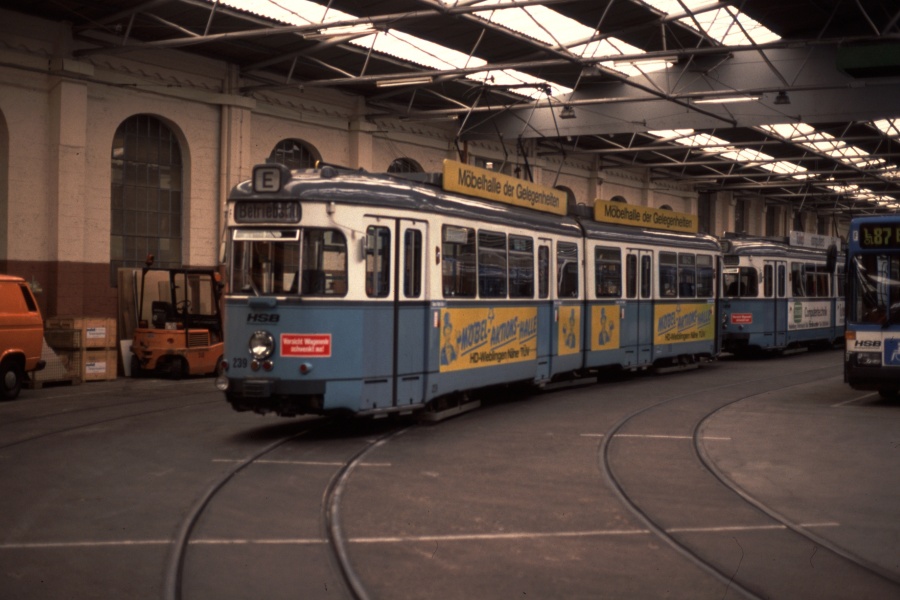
x,y
295,154
404,165
619,199
146,195
665,207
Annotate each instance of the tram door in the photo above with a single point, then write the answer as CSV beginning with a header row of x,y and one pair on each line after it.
x,y
395,317
637,326
774,313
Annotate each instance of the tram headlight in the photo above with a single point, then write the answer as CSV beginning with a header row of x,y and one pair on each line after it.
x,y
261,345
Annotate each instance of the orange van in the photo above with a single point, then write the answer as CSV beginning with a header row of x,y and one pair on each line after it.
x,y
21,335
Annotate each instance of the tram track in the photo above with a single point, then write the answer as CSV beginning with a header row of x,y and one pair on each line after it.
x,y
768,522
335,537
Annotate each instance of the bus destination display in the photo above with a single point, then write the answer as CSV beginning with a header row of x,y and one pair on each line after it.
x,y
267,212
874,235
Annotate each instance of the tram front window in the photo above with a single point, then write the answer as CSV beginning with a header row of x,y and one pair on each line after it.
x,y
312,262
740,282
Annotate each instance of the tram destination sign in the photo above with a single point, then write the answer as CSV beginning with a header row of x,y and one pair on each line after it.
x,y
876,235
269,211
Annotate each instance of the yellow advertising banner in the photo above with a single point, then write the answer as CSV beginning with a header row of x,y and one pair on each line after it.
x,y
642,216
605,321
683,322
569,330
490,185
482,337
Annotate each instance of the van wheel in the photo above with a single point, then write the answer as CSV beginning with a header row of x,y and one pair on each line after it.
x,y
11,379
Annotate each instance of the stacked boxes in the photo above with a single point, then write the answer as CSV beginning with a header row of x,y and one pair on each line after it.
x,y
93,338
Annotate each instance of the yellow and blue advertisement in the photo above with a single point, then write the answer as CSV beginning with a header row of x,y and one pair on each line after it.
x,y
482,337
568,330
605,322
683,322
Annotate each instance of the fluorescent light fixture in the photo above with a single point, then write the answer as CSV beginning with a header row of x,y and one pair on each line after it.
x,y
404,81
647,60
725,99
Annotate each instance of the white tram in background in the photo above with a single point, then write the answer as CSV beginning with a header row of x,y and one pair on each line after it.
x,y
351,292
781,294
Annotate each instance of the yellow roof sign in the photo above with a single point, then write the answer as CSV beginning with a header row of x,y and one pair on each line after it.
x,y
490,185
641,216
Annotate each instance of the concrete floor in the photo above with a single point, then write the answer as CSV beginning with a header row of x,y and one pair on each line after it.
x,y
584,491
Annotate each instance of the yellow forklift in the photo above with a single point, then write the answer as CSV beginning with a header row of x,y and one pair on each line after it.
x,y
179,330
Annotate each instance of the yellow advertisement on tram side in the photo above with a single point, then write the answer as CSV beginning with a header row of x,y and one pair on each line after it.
x,y
605,321
683,322
482,337
569,330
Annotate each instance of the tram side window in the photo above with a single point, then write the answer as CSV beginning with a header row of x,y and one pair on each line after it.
x,y
768,281
646,276
817,281
491,264
458,268
544,272
378,262
687,275
668,274
608,272
782,284
798,280
705,276
567,269
521,267
631,272
412,263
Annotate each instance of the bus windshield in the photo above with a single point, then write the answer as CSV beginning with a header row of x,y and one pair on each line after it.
x,y
877,288
308,262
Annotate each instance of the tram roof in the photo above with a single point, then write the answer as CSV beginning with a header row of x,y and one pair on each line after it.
x,y
770,247
416,194
638,235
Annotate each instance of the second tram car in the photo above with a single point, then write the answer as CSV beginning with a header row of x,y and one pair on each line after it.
x,y
351,292
780,294
872,352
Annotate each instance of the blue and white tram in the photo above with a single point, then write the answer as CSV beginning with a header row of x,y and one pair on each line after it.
x,y
374,294
779,294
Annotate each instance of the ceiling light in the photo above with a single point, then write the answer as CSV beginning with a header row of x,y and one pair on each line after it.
x,y
725,99
645,60
782,98
404,81
567,112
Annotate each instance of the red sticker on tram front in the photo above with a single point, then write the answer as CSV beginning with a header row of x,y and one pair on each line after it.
x,y
741,318
307,345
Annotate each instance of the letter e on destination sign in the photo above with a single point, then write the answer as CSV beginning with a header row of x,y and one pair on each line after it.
x,y
306,345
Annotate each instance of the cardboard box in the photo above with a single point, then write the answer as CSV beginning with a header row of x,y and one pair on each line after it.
x,y
100,365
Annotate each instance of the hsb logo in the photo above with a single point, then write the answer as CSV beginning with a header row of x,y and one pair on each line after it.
x,y
867,344
262,318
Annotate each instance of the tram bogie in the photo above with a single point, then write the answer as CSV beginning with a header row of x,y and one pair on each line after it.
x,y
372,294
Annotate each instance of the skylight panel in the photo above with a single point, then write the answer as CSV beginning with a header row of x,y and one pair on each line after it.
x,y
557,30
747,156
393,43
724,24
